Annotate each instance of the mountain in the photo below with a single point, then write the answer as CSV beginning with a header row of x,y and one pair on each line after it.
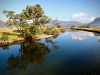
x,y
96,22
2,24
66,23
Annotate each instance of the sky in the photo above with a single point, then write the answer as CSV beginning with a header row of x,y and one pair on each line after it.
x,y
66,10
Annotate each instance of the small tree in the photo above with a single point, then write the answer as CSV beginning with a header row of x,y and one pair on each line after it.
x,y
73,26
88,26
59,26
4,37
84,26
80,26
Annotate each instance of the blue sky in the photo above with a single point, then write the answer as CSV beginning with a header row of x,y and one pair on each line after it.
x,y
67,10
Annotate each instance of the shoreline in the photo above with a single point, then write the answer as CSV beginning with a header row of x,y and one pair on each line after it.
x,y
22,39
97,30
12,38
43,36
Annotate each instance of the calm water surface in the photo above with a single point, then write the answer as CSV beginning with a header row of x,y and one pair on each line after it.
x,y
70,53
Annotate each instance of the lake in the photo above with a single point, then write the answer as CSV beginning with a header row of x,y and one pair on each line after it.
x,y
70,53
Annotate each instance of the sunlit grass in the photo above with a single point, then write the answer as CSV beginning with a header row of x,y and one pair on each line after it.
x,y
92,29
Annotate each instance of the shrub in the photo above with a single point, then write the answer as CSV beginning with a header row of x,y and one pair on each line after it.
x,y
48,31
72,27
55,32
63,30
4,37
88,26
59,26
84,26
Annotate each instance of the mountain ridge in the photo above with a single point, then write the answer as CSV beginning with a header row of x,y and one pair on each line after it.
x,y
95,22
2,22
66,23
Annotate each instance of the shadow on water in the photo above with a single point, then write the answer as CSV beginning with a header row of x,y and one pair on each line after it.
x,y
33,52
5,47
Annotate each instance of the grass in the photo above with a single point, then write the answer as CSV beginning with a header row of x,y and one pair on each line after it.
x,y
11,34
44,30
7,30
91,29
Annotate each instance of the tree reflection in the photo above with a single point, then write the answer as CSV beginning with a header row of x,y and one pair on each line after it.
x,y
4,47
98,36
54,37
31,53
52,43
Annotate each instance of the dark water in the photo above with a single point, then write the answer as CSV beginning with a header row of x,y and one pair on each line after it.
x,y
70,53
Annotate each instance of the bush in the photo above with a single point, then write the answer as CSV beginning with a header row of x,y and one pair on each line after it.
x,y
4,37
59,26
55,32
80,26
63,30
88,26
84,26
72,27
48,31
5,33
51,31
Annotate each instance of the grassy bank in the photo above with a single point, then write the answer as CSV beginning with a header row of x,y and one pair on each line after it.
x,y
91,29
43,33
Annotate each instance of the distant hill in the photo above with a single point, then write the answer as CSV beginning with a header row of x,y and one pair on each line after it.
x,y
66,23
96,22
2,24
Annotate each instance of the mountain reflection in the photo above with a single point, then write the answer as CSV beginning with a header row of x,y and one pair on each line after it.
x,y
98,38
80,35
31,53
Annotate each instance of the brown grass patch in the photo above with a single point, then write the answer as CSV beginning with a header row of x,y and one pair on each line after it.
x,y
7,30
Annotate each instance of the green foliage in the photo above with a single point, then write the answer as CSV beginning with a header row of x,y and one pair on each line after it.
x,y
62,29
59,26
55,32
35,13
72,26
48,31
52,31
84,26
4,37
88,26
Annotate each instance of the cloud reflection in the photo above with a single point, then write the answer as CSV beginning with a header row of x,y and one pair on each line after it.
x,y
80,35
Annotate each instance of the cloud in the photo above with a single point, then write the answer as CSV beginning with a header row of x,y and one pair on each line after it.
x,y
82,17
99,15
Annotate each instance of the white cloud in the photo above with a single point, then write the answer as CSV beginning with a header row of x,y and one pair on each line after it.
x,y
99,15
82,17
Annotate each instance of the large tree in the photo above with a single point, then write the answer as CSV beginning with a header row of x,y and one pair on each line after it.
x,y
36,13
27,30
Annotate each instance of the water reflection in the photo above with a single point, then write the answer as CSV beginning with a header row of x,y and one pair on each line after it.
x,y
39,57
5,47
98,36
31,53
80,35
